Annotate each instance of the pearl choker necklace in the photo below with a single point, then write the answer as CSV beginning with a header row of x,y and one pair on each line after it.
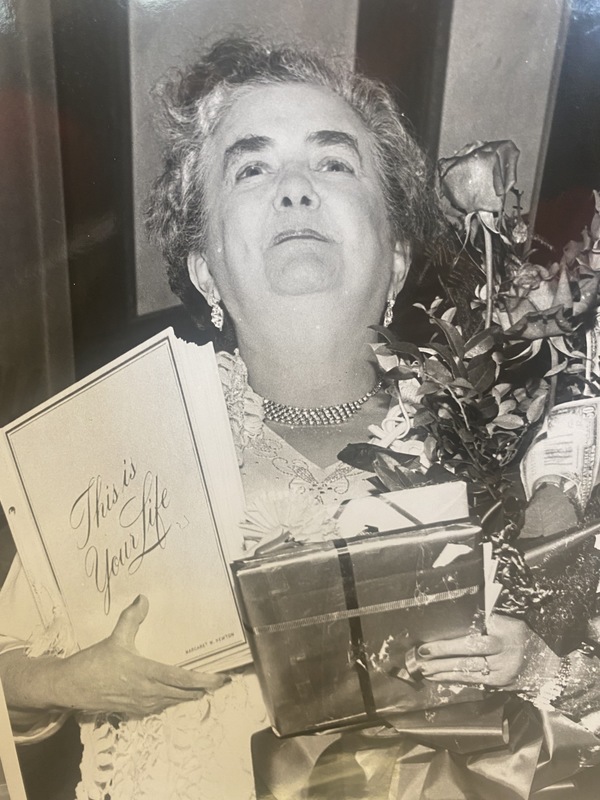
x,y
321,415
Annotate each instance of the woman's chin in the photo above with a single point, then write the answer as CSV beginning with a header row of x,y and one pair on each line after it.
x,y
302,277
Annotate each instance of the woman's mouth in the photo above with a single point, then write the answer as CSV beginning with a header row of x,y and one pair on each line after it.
x,y
298,233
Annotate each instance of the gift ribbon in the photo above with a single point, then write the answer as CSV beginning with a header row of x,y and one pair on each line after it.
x,y
349,613
359,654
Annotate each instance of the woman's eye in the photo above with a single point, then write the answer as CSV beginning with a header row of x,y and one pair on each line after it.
x,y
250,171
336,165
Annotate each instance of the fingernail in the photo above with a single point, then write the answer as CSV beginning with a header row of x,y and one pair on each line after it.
x,y
137,600
424,651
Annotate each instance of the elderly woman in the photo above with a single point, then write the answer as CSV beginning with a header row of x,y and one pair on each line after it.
x,y
291,200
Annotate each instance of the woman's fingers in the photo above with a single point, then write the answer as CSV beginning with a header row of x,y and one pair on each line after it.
x,y
129,622
476,667
187,680
473,678
461,646
494,659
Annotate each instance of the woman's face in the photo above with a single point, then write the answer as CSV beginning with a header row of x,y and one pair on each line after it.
x,y
295,208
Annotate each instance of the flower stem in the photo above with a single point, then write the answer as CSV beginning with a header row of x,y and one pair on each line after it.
x,y
553,379
489,276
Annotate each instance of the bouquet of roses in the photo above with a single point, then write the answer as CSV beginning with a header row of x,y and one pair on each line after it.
x,y
508,342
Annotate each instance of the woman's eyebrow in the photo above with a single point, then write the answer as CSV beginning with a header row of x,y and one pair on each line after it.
x,y
246,144
326,137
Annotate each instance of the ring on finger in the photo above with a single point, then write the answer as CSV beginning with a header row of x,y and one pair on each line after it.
x,y
485,670
472,666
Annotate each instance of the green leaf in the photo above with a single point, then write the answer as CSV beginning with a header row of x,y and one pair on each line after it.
x,y
406,349
479,344
556,369
487,407
462,383
558,342
428,387
481,371
449,314
385,333
438,371
536,409
362,455
430,447
455,366
509,422
393,476
506,406
401,373
452,335
440,474
500,389
423,417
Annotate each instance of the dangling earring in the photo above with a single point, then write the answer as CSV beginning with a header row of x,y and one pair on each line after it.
x,y
389,312
216,312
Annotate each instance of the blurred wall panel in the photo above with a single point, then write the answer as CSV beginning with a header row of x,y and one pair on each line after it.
x,y
36,356
404,43
168,33
92,81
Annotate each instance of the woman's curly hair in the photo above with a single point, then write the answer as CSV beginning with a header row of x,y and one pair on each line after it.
x,y
196,100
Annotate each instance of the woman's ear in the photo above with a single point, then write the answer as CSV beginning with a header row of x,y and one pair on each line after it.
x,y
201,278
400,266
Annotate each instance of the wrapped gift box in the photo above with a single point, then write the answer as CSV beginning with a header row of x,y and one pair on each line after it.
x,y
329,624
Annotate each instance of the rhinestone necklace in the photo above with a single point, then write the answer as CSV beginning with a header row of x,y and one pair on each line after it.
x,y
321,415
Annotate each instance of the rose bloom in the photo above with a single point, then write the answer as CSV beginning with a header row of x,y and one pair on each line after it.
x,y
478,177
530,276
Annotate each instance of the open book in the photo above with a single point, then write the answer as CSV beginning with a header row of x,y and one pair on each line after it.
x,y
127,483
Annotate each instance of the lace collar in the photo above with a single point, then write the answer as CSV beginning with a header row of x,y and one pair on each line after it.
x,y
244,406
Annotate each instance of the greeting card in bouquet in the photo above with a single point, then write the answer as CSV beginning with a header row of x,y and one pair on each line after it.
x,y
331,625
127,483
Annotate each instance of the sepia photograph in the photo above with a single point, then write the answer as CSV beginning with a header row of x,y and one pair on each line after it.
x,y
300,399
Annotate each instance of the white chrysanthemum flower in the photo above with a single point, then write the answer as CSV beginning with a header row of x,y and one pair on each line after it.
x,y
287,514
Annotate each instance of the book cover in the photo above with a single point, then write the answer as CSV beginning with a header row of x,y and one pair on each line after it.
x,y
127,483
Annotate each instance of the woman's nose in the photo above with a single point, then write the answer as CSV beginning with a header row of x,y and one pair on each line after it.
x,y
296,189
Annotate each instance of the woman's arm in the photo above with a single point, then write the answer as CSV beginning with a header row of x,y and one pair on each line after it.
x,y
109,676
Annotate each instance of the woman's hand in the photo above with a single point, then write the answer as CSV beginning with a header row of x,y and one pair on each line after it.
x,y
110,676
494,659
